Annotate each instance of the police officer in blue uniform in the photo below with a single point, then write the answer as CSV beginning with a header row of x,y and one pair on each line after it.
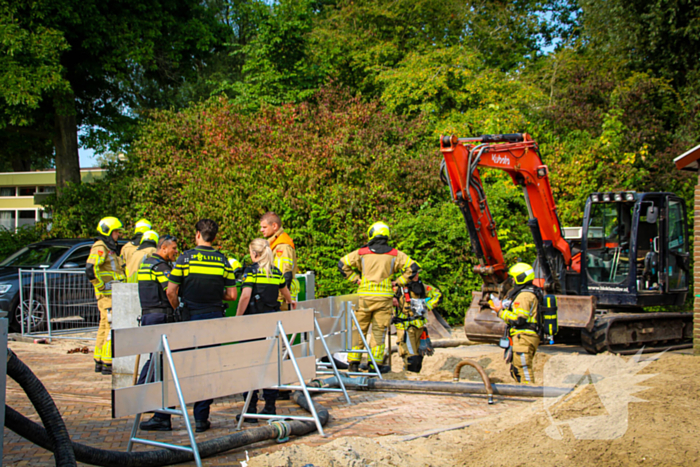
x,y
199,283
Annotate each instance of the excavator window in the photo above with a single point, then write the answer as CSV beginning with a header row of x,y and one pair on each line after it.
x,y
677,246
608,242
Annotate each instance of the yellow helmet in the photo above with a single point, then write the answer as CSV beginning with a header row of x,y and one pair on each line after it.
x,y
522,273
142,225
150,235
235,264
378,229
107,225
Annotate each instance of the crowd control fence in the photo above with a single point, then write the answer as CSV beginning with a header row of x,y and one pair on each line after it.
x,y
56,303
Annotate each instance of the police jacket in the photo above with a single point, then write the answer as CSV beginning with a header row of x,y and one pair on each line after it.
x,y
153,283
374,264
265,289
521,314
104,265
203,274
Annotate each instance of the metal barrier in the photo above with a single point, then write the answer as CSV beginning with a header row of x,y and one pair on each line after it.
x,y
335,323
54,302
194,366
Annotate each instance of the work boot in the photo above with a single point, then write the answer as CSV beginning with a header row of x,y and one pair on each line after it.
x,y
98,367
107,369
202,425
156,424
354,367
248,420
382,368
269,408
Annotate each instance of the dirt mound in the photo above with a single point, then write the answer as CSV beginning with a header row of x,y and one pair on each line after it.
x,y
621,411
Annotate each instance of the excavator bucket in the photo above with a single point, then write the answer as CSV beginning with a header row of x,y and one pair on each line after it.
x,y
482,325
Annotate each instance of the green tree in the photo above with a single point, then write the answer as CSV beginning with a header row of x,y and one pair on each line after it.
x,y
71,64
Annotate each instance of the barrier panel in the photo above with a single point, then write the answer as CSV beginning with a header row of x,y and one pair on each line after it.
x,y
54,302
196,367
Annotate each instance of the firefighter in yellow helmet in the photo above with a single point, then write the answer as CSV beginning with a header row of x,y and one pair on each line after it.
x,y
519,311
104,267
372,267
142,225
148,246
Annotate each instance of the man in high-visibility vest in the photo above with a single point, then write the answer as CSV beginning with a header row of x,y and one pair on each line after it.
x,y
284,252
371,267
142,225
148,246
104,267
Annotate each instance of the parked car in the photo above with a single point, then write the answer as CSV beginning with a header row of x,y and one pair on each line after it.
x,y
70,295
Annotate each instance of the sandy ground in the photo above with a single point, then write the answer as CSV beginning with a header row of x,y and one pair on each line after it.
x,y
622,411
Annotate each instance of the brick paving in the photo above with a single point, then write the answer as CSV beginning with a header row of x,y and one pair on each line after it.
x,y
83,398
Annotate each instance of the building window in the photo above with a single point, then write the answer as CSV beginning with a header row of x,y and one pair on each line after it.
x,y
46,189
7,220
8,191
27,190
26,218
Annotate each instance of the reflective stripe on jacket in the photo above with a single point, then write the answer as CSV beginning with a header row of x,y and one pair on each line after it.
x,y
108,267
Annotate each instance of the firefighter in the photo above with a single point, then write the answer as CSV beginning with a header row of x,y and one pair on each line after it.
x,y
149,241
142,225
284,252
371,267
153,282
104,267
519,311
262,283
412,302
203,279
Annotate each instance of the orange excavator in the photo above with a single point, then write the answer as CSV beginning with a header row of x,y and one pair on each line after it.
x,y
631,252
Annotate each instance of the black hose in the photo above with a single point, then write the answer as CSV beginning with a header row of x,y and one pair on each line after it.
x,y
35,433
56,430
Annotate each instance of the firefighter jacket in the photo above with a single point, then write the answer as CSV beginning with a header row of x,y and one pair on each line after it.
x,y
153,281
103,267
375,270
521,315
285,255
415,290
144,250
130,247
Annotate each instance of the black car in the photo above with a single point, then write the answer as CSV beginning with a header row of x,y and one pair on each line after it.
x,y
70,296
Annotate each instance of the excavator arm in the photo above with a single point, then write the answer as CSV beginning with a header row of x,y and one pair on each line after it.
x,y
518,155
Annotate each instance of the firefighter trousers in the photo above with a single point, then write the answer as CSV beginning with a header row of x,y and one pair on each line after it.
x,y
375,310
524,349
103,345
409,340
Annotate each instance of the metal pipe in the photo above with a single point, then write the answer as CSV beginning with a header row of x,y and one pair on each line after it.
x,y
480,370
444,386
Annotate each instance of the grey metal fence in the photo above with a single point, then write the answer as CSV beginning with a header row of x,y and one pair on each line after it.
x,y
55,302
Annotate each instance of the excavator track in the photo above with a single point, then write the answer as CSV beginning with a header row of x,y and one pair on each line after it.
x,y
625,333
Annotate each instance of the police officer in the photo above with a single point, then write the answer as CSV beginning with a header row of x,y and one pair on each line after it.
x,y
148,246
284,252
104,266
155,307
142,225
203,279
519,311
413,300
262,284
371,267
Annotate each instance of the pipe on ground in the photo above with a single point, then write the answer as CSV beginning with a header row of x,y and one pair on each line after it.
x,y
480,370
443,386
38,435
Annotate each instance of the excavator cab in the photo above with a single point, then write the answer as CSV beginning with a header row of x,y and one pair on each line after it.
x,y
634,250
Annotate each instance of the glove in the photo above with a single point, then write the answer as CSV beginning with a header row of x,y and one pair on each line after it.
x,y
425,348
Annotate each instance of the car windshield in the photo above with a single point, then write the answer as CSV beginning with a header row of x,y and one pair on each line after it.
x,y
35,256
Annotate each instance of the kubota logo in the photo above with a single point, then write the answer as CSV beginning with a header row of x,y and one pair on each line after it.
x,y
501,160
